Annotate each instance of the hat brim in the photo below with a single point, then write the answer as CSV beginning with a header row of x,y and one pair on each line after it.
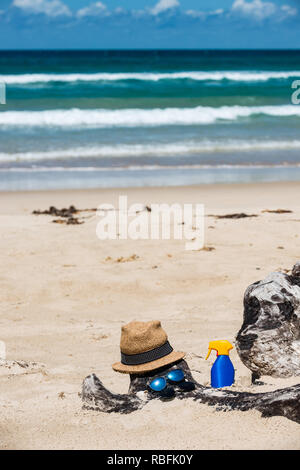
x,y
148,366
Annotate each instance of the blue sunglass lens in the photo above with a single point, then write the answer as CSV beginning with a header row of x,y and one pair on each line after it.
x,y
176,375
158,384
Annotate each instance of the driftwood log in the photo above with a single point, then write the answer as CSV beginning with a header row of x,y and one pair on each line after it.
x,y
268,342
284,402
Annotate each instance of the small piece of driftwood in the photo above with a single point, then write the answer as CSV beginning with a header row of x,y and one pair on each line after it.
x,y
284,402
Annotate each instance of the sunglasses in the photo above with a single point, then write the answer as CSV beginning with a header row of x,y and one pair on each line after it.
x,y
174,377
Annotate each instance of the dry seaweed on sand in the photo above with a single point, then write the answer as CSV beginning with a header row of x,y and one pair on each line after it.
x,y
69,221
64,212
238,215
278,211
122,259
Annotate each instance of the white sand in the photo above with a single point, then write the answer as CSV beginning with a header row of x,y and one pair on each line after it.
x,y
63,306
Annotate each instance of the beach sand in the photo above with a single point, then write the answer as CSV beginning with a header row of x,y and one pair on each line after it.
x,y
64,297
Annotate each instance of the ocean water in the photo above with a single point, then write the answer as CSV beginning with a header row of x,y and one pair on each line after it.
x,y
83,119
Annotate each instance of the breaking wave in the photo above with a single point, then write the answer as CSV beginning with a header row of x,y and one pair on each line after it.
x,y
237,76
151,150
103,118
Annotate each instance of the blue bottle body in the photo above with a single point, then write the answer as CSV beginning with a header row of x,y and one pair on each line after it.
x,y
222,372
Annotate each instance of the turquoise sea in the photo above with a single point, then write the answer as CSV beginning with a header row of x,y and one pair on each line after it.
x,y
81,119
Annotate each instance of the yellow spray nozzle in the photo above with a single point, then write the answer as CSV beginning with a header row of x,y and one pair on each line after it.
x,y
221,346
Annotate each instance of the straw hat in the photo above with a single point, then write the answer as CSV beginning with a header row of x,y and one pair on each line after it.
x,y
144,347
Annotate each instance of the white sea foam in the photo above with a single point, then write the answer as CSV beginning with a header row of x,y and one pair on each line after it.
x,y
239,76
104,118
151,150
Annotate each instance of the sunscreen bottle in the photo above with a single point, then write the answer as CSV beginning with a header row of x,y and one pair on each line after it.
x,y
222,371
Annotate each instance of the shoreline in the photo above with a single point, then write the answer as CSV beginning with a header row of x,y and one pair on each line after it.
x,y
152,188
115,178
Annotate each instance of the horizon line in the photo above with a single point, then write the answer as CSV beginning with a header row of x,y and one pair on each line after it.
x,y
152,49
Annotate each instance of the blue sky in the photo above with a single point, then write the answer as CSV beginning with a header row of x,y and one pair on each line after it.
x,y
114,24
